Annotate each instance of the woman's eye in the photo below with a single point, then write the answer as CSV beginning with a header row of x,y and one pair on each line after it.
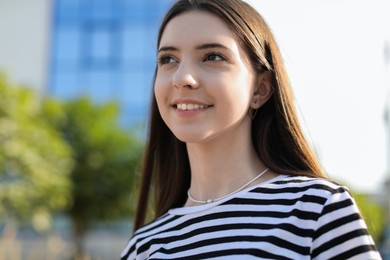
x,y
166,60
214,57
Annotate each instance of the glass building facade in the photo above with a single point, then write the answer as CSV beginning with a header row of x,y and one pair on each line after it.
x,y
106,49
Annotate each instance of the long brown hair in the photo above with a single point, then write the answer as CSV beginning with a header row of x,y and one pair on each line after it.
x,y
276,133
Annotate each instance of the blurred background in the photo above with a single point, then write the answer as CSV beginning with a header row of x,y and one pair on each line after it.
x,y
75,83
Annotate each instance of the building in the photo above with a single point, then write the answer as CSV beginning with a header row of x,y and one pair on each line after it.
x,y
104,49
25,41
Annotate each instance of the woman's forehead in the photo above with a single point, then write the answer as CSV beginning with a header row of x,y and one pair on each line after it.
x,y
197,28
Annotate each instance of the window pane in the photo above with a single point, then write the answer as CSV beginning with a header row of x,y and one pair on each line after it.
x,y
133,43
66,9
99,85
100,44
100,10
65,85
136,88
67,45
133,11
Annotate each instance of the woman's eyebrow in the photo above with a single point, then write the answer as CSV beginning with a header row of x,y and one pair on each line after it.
x,y
167,48
199,47
211,46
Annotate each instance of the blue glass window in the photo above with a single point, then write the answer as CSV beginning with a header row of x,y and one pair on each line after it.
x,y
100,86
106,49
68,41
67,9
136,89
100,41
134,40
65,85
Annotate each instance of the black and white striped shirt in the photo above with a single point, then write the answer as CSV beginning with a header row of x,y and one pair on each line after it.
x,y
288,217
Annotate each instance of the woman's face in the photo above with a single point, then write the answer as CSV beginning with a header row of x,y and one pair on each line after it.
x,y
204,82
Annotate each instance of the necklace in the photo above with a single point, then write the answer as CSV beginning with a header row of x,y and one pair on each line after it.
x,y
220,198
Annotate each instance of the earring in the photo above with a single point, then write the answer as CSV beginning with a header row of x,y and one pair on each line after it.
x,y
252,113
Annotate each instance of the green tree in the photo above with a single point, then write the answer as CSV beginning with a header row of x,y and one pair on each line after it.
x,y
35,162
106,159
373,213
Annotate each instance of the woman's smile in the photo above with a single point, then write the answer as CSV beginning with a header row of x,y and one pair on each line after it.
x,y
189,108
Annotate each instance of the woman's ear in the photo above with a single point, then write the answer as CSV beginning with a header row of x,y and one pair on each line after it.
x,y
263,90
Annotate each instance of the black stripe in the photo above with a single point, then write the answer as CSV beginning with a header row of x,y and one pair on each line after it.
x,y
128,253
335,224
237,214
355,251
304,215
163,223
282,202
222,240
298,189
137,233
337,205
239,252
303,179
339,240
236,226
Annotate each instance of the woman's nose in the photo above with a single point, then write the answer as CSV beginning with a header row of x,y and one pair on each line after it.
x,y
185,76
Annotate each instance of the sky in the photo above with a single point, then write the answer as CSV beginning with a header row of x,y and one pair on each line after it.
x,y
334,55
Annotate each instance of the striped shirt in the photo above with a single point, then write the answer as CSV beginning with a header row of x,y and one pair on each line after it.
x,y
288,217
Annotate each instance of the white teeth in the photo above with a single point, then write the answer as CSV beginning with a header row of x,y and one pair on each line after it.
x,y
190,106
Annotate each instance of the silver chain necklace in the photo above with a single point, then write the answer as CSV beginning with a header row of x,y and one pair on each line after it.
x,y
220,198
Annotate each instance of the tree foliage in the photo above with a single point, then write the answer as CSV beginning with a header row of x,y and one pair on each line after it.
x,y
373,213
35,162
64,155
106,158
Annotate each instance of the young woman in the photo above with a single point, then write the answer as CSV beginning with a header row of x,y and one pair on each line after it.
x,y
231,172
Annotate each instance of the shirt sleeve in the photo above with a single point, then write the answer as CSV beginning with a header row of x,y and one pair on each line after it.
x,y
341,232
130,250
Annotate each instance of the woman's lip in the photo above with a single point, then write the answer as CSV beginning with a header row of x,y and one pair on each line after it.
x,y
189,106
188,101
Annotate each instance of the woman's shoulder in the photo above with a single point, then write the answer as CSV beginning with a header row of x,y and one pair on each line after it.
x,y
144,232
303,186
154,224
302,182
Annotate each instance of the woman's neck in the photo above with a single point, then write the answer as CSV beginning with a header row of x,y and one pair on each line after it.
x,y
222,166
